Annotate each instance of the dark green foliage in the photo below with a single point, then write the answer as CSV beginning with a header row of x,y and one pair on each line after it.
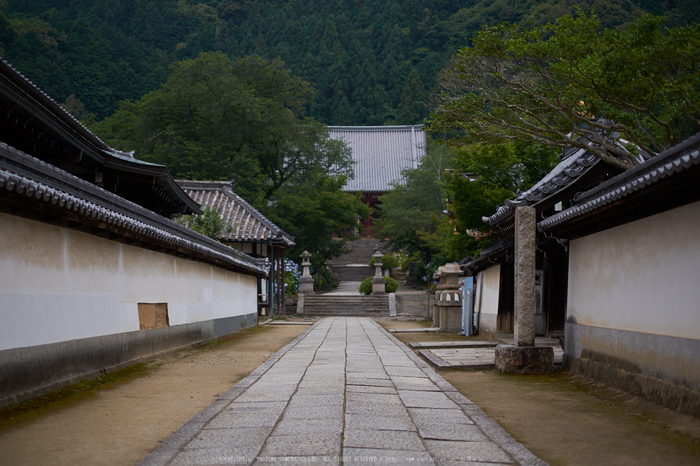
x,y
391,285
408,211
313,212
388,261
569,82
324,278
220,119
485,176
106,51
209,223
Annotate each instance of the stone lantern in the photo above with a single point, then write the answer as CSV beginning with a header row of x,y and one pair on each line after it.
x,y
448,299
378,282
306,282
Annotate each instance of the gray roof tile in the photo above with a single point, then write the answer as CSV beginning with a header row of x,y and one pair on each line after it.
x,y
32,178
248,224
381,153
667,164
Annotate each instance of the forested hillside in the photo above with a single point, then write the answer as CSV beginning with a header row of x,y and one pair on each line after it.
x,y
370,62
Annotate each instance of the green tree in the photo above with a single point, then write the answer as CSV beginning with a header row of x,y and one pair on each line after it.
x,y
486,175
569,83
314,211
413,107
218,119
209,223
408,212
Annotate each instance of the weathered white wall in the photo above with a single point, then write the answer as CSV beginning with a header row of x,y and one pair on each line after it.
x,y
643,276
487,303
58,285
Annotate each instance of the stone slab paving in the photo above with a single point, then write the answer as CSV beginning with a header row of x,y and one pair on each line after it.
x,y
452,344
470,358
344,392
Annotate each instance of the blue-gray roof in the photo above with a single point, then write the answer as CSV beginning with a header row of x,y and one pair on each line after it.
x,y
247,223
380,153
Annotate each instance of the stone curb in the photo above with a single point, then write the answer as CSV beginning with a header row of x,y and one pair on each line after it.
x,y
490,427
167,450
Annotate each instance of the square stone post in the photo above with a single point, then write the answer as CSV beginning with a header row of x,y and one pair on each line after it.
x,y
524,357
525,250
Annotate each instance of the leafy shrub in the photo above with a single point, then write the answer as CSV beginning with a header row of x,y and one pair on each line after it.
x,y
388,260
405,263
292,274
366,286
390,286
325,279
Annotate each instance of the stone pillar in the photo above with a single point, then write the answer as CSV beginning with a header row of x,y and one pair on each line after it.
x,y
525,249
524,357
449,298
306,282
378,281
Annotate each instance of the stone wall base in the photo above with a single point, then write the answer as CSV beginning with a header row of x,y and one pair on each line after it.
x,y
513,359
614,373
662,369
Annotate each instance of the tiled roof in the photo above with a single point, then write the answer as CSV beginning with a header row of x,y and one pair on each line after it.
x,y
380,153
247,223
57,190
40,108
575,164
665,165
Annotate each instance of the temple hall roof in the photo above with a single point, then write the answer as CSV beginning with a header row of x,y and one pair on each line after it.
x,y
381,153
247,223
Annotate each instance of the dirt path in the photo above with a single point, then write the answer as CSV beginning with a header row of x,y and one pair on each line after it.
x,y
123,425
568,420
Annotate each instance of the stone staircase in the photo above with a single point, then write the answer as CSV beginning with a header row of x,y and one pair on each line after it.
x,y
319,305
354,266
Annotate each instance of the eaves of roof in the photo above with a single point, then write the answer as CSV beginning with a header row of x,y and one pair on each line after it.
x,y
668,164
48,112
574,166
247,223
51,189
499,252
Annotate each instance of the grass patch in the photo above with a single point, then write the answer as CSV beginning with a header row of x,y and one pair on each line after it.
x,y
65,397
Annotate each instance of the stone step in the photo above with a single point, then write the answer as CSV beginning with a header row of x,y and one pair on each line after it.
x,y
322,305
353,274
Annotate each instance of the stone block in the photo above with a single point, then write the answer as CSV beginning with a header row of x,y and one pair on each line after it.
x,y
450,319
306,285
524,359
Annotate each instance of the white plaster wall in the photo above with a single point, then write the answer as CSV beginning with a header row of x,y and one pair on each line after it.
x,y
491,278
643,276
58,285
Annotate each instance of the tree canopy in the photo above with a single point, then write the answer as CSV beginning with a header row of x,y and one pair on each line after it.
x,y
485,176
216,119
408,212
107,51
569,83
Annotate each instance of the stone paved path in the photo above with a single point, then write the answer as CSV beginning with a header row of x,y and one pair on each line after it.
x,y
344,392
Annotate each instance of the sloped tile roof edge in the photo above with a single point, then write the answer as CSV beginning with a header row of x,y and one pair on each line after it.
x,y
28,91
30,177
563,175
502,250
667,164
280,236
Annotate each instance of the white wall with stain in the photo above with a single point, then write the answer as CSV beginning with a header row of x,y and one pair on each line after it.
x,y
643,276
58,285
